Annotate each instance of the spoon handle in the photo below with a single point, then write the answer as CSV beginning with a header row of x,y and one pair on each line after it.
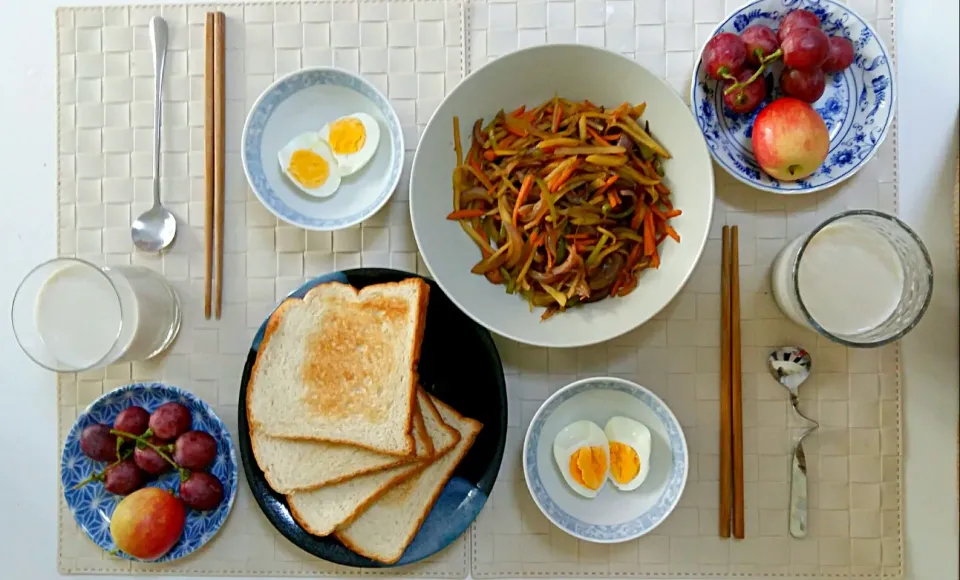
x,y
798,492
158,43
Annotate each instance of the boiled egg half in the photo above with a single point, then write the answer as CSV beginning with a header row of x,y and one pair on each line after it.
x,y
353,139
582,455
310,164
629,443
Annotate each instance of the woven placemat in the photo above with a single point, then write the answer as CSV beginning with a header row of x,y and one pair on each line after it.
x,y
410,49
855,458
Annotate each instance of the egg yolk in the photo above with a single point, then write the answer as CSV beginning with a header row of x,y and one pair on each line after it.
x,y
347,135
588,466
624,462
308,168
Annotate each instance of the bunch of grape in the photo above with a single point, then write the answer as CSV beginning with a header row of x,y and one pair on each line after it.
x,y
142,444
807,54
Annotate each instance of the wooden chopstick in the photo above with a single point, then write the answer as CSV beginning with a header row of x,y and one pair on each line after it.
x,y
219,105
208,132
726,446
735,390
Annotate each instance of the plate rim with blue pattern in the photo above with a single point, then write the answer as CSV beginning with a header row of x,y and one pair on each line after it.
x,y
466,492
260,114
855,123
84,503
623,531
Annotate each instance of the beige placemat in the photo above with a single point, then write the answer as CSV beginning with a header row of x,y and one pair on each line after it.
x,y
854,460
410,49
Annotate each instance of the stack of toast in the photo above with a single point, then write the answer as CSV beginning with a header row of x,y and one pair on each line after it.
x,y
339,423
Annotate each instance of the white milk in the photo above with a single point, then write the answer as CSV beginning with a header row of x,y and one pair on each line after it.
x,y
850,279
82,323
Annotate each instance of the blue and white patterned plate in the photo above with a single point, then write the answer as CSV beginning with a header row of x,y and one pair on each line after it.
x,y
92,505
614,515
857,106
304,101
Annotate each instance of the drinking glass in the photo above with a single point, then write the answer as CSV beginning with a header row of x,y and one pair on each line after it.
x,y
861,278
70,315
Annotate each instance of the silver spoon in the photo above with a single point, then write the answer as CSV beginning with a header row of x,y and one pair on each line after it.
x,y
790,365
155,229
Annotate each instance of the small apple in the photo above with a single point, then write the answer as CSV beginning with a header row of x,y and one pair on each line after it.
x,y
790,140
147,523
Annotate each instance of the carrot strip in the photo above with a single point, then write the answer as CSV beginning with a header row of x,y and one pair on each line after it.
x,y
606,184
596,136
673,213
655,259
656,211
617,284
465,214
649,244
668,229
565,175
613,199
519,111
522,197
489,155
633,257
635,220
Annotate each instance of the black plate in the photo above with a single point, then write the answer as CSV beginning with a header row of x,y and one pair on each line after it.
x,y
459,363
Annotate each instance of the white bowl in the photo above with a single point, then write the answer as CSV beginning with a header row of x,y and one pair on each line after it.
x,y
614,515
529,77
304,101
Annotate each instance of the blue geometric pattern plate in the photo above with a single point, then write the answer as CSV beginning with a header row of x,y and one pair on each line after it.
x,y
304,101
857,106
480,394
92,505
614,515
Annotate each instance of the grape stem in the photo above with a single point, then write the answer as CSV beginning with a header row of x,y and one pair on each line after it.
x,y
99,476
763,65
141,439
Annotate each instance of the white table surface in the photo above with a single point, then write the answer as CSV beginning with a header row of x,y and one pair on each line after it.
x,y
928,43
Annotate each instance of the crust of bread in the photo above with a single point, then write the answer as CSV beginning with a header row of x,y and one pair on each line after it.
x,y
474,431
421,426
423,290
432,403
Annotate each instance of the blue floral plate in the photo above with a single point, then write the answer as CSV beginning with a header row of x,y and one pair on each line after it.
x,y
614,515
304,101
92,505
857,106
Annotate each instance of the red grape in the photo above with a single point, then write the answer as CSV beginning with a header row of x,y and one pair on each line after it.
x,y
841,55
170,420
195,450
123,478
760,41
748,98
98,443
134,420
797,19
806,85
149,460
201,491
805,48
724,55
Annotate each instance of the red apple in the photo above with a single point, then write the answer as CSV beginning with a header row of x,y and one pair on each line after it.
x,y
147,523
790,140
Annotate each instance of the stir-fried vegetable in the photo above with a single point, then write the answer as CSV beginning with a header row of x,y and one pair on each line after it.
x,y
566,201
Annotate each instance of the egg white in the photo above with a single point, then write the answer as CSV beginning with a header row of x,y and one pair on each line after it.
x,y
571,438
312,142
350,163
637,436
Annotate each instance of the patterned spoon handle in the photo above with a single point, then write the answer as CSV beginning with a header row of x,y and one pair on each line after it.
x,y
798,493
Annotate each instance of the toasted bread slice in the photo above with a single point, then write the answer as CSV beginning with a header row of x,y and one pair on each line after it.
x,y
290,465
320,511
340,366
385,529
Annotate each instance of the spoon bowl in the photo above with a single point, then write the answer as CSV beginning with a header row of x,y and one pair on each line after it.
x,y
154,230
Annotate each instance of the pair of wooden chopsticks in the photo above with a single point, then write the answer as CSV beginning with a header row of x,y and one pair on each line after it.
x,y
731,411
214,116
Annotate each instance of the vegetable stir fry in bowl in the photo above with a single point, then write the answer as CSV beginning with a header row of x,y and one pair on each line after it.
x,y
566,175
566,201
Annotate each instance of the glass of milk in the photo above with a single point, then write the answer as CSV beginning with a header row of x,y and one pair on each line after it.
x,y
862,278
70,315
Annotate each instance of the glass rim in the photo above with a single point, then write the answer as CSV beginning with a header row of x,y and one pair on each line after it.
x,y
795,275
13,319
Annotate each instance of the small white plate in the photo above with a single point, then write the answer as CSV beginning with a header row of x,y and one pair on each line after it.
x,y
304,101
614,515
